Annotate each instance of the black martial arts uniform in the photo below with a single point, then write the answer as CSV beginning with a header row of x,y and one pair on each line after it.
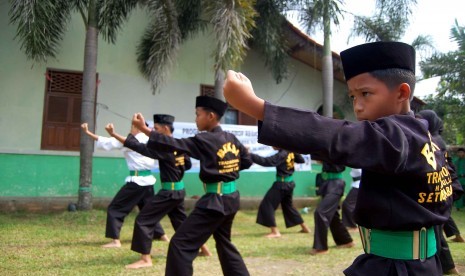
x,y
281,191
326,213
168,201
405,185
221,157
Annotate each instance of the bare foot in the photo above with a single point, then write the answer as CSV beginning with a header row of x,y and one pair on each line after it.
x,y
318,251
204,251
205,254
273,235
112,244
164,238
458,238
452,271
352,229
139,264
306,230
346,245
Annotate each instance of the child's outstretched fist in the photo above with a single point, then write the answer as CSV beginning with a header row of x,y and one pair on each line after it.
x,y
138,121
238,92
85,127
110,129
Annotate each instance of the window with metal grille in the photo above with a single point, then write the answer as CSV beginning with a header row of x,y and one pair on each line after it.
x,y
231,116
62,110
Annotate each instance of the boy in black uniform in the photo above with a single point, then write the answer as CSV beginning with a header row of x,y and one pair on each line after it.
x,y
169,200
221,157
406,185
326,213
280,193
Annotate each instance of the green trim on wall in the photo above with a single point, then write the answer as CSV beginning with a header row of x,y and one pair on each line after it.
x,y
26,175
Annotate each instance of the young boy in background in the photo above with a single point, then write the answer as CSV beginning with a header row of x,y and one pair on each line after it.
x,y
137,190
221,157
169,200
280,193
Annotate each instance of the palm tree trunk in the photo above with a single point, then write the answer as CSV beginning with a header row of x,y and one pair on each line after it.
x,y
88,108
327,65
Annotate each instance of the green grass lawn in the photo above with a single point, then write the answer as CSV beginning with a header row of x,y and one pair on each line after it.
x,y
69,244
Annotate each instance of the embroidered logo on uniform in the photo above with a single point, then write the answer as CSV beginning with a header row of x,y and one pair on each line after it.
x,y
179,160
290,161
428,151
228,147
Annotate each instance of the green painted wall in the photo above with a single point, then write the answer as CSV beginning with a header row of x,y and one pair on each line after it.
x,y
25,175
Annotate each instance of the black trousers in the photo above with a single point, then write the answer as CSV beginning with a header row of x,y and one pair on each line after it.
x,y
348,207
193,233
279,193
327,216
450,228
122,204
150,216
447,262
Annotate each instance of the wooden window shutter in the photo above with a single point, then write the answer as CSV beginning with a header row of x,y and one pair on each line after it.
x,y
62,110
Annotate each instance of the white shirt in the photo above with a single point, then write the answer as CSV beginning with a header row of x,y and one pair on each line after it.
x,y
134,160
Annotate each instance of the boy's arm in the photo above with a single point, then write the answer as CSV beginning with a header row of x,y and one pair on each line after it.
x,y
270,161
298,158
353,144
187,162
239,93
86,130
111,130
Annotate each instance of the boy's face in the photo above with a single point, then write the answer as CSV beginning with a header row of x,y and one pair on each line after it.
x,y
202,118
461,153
162,129
372,99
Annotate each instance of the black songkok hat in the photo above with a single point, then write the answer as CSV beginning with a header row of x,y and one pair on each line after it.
x,y
377,56
163,119
213,103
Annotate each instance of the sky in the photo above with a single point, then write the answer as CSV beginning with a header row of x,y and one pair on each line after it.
x,y
434,18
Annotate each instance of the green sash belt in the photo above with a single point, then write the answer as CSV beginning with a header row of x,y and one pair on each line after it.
x,y
401,245
331,175
173,186
222,188
288,178
140,173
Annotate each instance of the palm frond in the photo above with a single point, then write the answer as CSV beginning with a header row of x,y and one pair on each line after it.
x,y
190,17
232,22
457,34
112,15
400,9
376,29
269,38
159,46
314,12
423,44
41,26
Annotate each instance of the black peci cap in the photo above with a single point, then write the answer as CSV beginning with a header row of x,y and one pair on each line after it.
x,y
377,56
213,103
163,119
